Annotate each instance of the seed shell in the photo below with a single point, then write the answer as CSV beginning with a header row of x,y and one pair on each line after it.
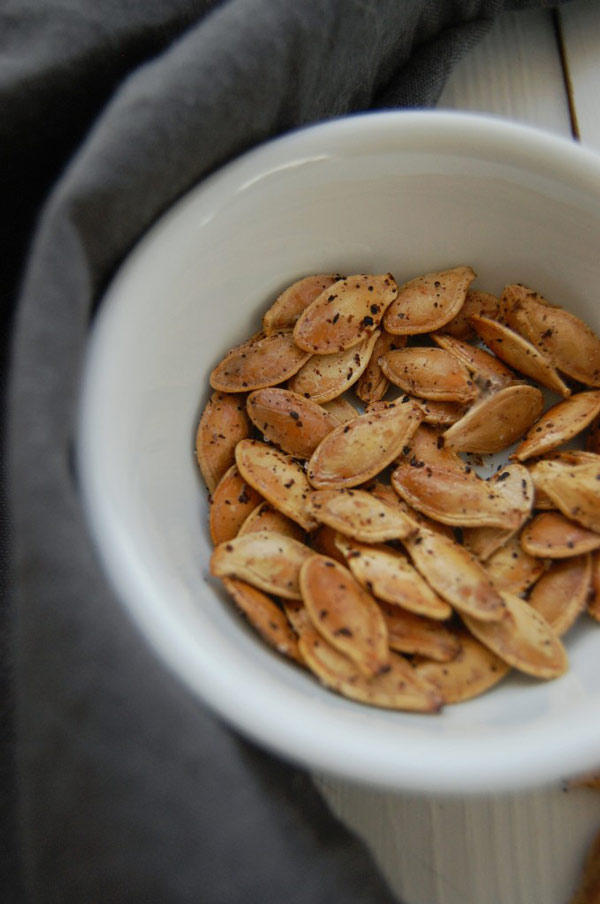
x,y
574,489
278,478
562,592
559,424
344,613
341,316
261,362
472,671
265,616
480,303
522,638
354,452
418,636
295,424
519,353
359,514
340,408
287,307
325,377
232,502
388,574
551,535
513,569
428,302
429,373
488,371
265,517
399,687
454,574
496,421
223,424
269,561
373,384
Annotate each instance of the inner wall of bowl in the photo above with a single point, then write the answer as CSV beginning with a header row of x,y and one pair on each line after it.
x,y
198,284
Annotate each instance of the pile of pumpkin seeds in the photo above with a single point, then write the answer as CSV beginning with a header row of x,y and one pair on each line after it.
x,y
351,523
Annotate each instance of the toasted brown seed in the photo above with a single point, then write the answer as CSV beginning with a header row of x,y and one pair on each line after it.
x,y
287,307
373,384
265,517
297,615
561,593
476,302
428,302
441,414
551,535
295,424
354,452
325,377
522,638
454,574
593,603
574,489
343,314
417,635
429,373
519,353
265,616
340,408
427,445
488,372
359,514
567,341
496,421
559,424
464,499
472,671
261,362
513,569
223,424
278,478
388,574
399,687
264,559
483,542
344,613
232,502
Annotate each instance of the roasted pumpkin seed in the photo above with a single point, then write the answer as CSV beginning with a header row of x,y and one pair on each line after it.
x,y
264,559
513,569
559,424
480,303
361,515
429,373
295,424
261,362
287,307
496,421
223,424
562,592
232,502
551,535
265,616
265,517
415,635
325,377
428,302
373,384
471,672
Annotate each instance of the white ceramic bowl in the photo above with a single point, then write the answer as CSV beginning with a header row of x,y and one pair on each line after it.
x,y
405,192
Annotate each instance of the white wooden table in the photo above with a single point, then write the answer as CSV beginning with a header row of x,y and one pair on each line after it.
x,y
540,67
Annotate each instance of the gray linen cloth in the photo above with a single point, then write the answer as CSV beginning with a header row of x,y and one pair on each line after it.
x,y
128,790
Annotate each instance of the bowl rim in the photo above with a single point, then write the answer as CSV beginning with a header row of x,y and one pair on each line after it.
x,y
277,729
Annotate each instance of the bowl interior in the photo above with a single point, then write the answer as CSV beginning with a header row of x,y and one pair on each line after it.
x,y
404,192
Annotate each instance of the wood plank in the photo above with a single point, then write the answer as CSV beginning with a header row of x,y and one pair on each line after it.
x,y
515,72
580,30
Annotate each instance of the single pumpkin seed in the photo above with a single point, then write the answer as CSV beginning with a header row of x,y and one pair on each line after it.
x,y
471,672
359,514
265,517
427,445
287,307
388,574
232,502
551,535
454,574
559,424
488,371
483,542
398,688
562,592
295,424
428,302
343,314
341,409
223,424
261,362
269,561
569,343
278,478
415,635
265,617
344,613
373,384
513,569
325,377
574,489
429,373
354,452
496,421
519,353
522,638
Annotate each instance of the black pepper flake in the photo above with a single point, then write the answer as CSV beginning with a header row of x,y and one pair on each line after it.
x,y
336,317
290,483
368,321
345,632
503,476
374,309
295,415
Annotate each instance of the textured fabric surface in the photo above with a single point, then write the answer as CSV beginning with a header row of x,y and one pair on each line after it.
x,y
128,789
